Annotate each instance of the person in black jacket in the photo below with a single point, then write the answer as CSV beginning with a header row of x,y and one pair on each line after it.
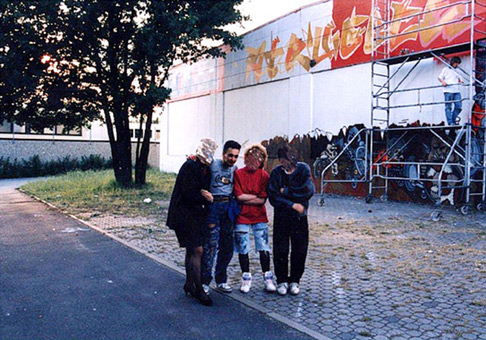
x,y
289,190
188,211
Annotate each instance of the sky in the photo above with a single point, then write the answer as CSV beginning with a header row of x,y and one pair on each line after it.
x,y
263,11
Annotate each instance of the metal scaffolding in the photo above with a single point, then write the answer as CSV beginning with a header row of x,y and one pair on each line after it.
x,y
390,153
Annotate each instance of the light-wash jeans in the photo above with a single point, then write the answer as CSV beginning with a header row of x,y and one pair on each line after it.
x,y
452,98
242,237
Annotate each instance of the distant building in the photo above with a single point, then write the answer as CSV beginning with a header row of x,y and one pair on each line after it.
x,y
22,142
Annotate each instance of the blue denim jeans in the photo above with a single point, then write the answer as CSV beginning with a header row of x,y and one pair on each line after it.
x,y
242,237
218,240
452,97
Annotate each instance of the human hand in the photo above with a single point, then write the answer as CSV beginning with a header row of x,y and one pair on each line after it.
x,y
298,207
207,195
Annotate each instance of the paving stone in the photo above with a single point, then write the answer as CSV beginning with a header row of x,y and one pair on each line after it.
x,y
391,273
347,336
381,337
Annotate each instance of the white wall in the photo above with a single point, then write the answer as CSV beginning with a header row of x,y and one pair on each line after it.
x,y
183,124
341,97
424,75
327,100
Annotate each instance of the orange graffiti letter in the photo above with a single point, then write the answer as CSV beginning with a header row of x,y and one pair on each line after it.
x,y
295,47
271,56
352,37
254,61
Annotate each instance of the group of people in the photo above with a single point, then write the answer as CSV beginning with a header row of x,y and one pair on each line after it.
x,y
215,206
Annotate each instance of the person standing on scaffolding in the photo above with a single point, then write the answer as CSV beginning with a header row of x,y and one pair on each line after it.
x,y
452,91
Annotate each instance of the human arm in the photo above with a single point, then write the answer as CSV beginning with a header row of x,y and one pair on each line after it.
x,y
207,195
191,188
245,198
442,77
302,188
277,199
250,199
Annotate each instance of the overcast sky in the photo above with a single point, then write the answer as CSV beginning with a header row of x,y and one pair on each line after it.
x,y
263,11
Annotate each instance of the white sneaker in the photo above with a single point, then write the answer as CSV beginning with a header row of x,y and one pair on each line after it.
x,y
294,288
282,288
206,288
245,282
224,287
268,280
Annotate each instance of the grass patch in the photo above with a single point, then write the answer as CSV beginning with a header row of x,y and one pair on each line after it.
x,y
97,192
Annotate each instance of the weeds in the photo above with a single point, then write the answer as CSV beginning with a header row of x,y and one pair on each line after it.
x,y
98,192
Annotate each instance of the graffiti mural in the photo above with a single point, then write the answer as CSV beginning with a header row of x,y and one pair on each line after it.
x,y
344,36
418,162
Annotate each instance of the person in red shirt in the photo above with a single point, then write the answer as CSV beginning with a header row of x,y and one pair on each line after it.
x,y
250,185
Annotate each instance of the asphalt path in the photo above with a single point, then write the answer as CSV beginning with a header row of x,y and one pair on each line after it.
x,y
61,280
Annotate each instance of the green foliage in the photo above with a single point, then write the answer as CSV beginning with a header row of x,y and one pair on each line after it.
x,y
67,61
34,167
97,192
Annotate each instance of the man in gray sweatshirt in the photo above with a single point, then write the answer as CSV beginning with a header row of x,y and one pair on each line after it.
x,y
218,241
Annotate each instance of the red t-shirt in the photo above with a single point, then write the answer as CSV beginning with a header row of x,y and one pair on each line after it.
x,y
254,183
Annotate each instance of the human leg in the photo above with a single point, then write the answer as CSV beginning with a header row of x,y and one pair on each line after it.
x,y
210,245
242,247
299,238
260,232
225,249
189,287
195,264
448,97
281,235
457,106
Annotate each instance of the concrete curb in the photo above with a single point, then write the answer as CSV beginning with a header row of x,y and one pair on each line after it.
x,y
170,265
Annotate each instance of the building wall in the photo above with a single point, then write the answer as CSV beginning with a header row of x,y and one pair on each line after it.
x,y
305,71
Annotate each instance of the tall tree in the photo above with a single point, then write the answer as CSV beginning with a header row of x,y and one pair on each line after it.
x,y
71,61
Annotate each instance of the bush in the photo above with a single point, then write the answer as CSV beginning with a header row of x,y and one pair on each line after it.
x,y
35,167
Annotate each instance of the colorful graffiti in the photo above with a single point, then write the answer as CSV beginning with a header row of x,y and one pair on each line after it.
x,y
347,37
412,160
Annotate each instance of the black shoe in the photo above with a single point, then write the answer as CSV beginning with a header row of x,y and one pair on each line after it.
x,y
189,289
204,298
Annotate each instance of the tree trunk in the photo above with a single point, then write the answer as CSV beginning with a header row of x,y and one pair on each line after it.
x,y
121,153
141,163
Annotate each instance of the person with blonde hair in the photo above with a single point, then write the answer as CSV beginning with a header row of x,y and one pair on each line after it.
x,y
250,191
188,211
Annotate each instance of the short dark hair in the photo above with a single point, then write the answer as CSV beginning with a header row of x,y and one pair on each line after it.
x,y
283,152
455,60
231,144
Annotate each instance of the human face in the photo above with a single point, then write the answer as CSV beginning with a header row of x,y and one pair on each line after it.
x,y
287,164
454,65
230,156
252,163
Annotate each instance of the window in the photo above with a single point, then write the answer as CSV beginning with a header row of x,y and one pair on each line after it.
x,y
6,127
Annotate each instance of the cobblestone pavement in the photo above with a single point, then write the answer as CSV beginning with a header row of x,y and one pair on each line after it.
x,y
374,271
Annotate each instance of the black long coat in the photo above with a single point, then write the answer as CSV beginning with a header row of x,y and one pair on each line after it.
x,y
187,208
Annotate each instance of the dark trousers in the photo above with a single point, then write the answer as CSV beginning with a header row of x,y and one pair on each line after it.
x,y
289,231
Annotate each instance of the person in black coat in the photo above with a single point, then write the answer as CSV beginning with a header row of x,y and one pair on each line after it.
x,y
187,214
289,190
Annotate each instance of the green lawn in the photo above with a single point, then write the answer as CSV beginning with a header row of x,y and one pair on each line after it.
x,y
97,192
